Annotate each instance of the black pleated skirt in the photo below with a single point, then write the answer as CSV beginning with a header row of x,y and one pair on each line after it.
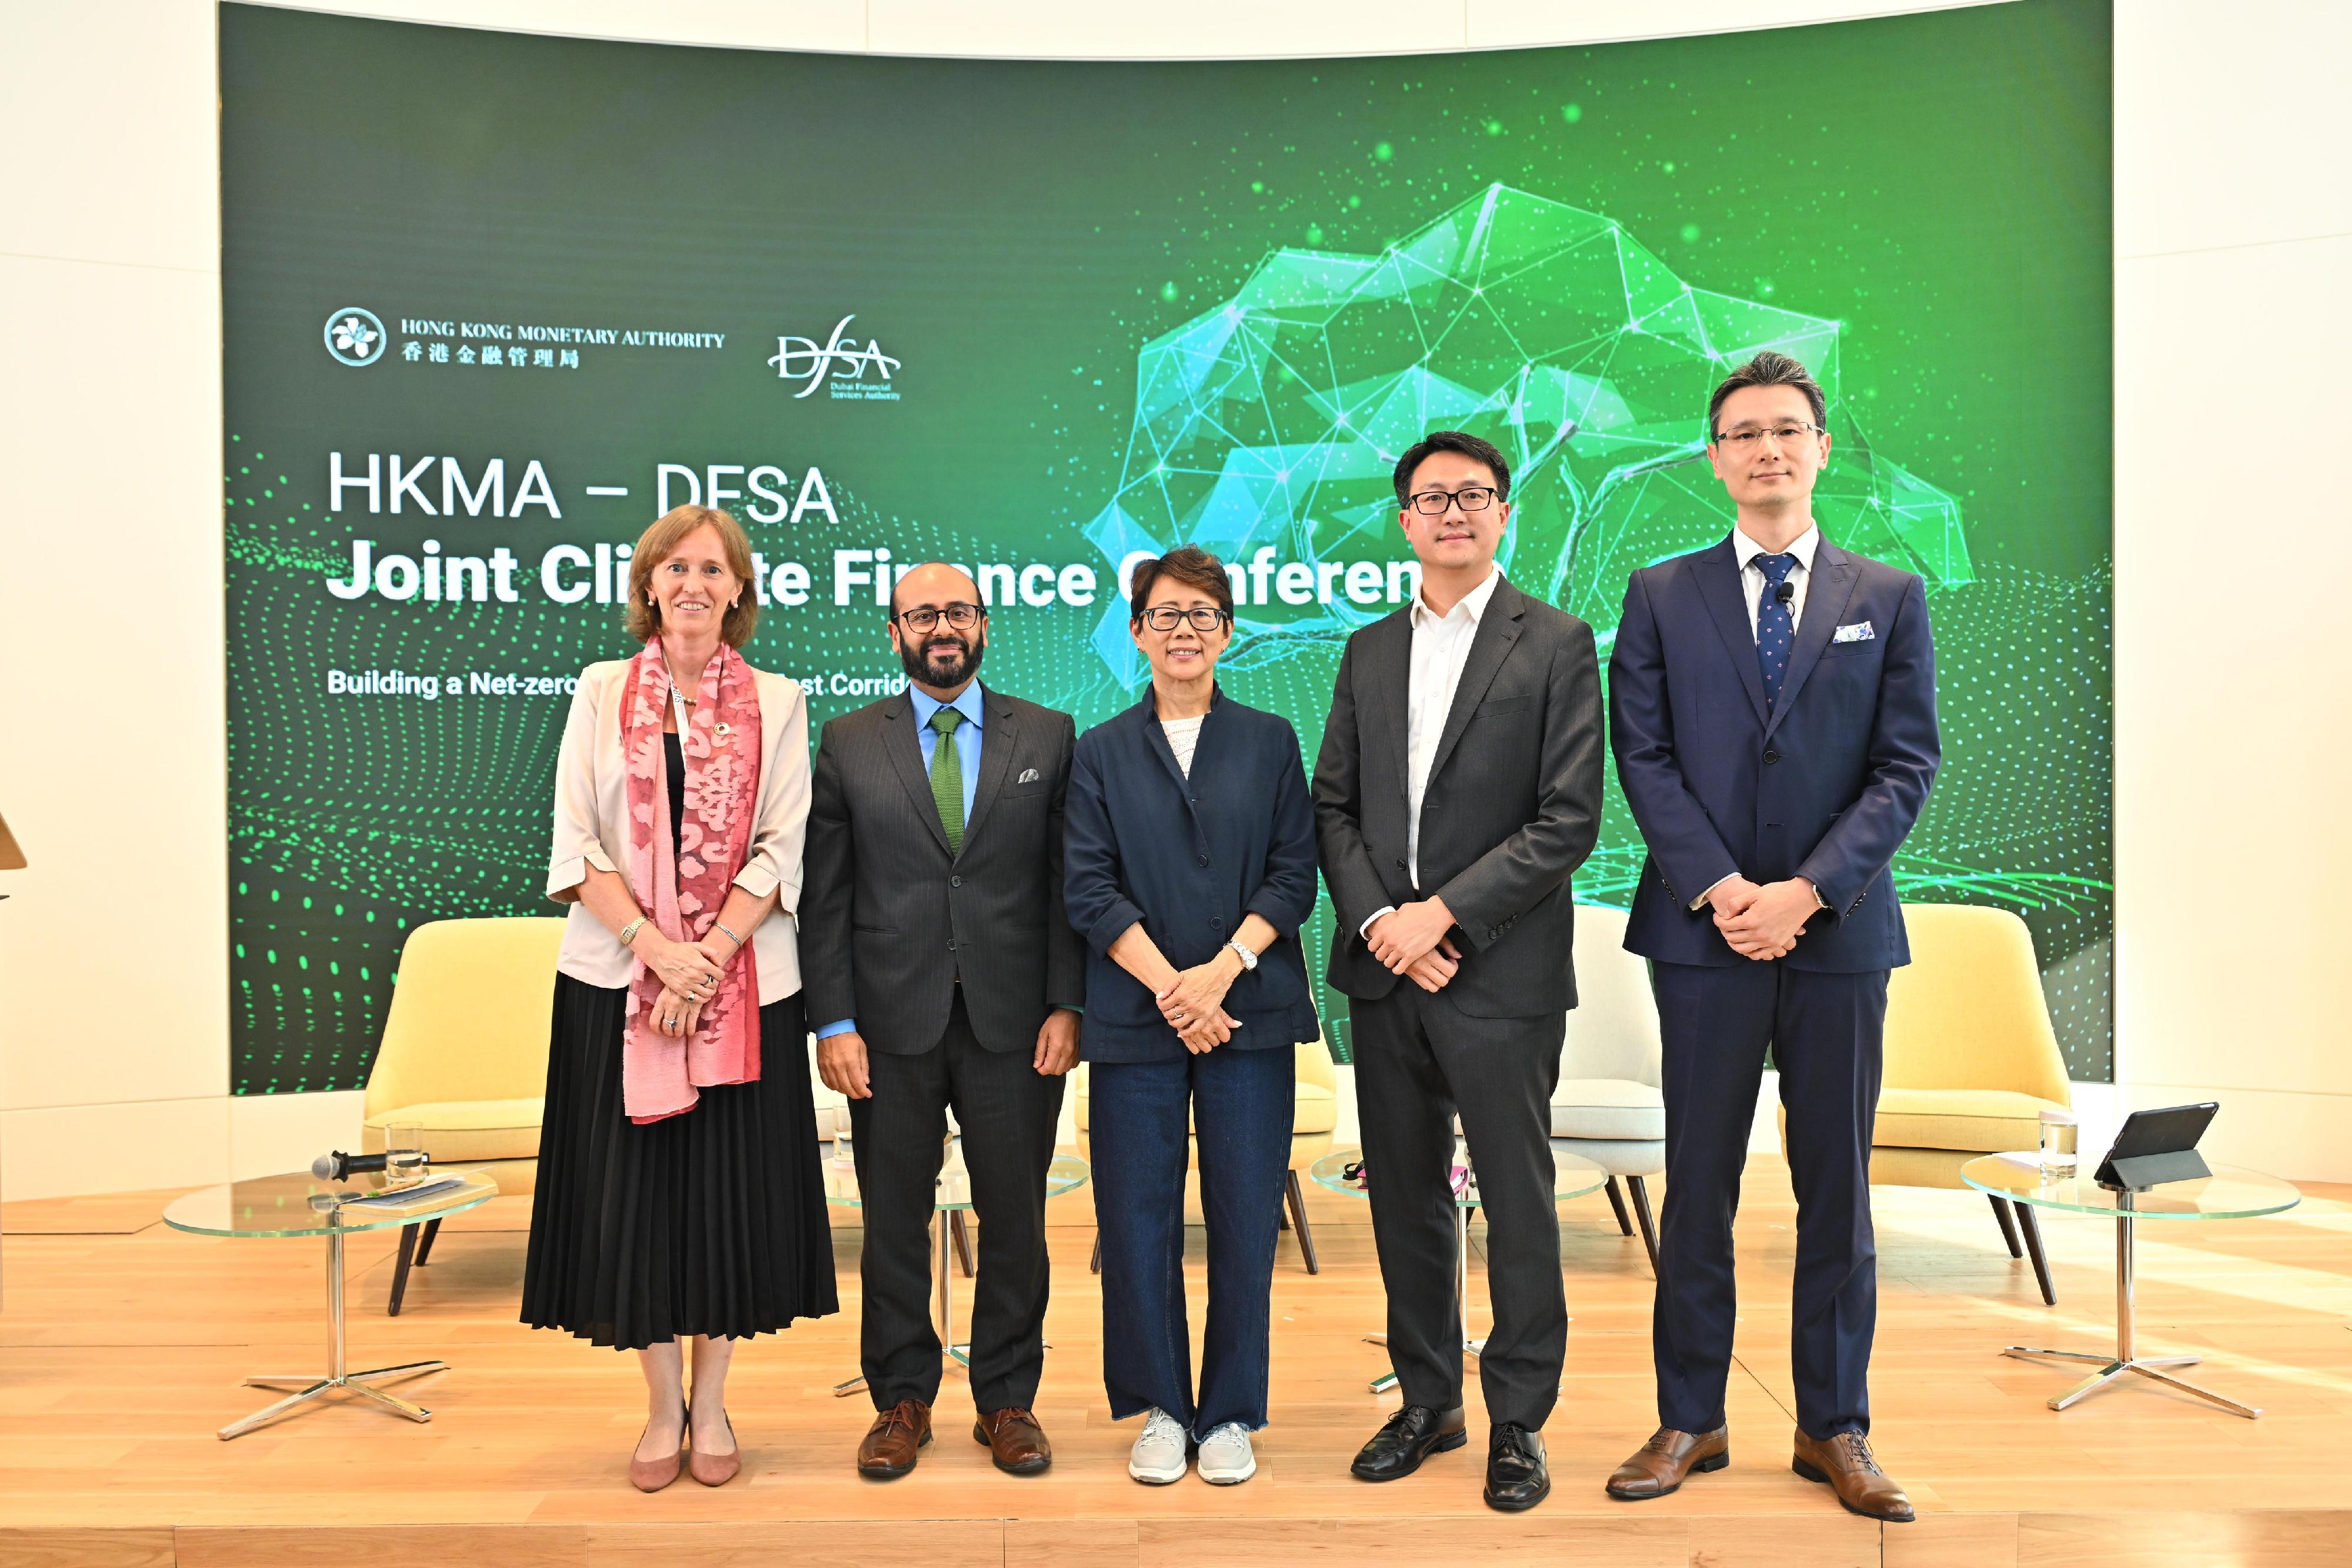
x,y
710,1222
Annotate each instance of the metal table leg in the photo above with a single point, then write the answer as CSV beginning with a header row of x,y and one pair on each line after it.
x,y
942,1301
308,1387
1470,1347
2126,1358
943,1292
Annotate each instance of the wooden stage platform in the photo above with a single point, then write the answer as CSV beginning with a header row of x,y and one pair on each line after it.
x,y
123,1345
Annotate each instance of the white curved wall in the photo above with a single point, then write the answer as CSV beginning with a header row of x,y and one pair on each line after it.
x,y
2233,241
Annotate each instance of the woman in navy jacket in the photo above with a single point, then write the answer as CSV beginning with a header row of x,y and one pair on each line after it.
x,y
1190,869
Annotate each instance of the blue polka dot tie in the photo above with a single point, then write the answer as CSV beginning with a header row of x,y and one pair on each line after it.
x,y
1776,628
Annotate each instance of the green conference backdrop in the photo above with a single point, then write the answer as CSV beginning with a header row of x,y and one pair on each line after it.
x,y
494,301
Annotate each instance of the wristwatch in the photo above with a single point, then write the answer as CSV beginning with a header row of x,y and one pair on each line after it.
x,y
1248,958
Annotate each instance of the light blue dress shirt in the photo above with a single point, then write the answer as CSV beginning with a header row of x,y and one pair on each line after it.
x,y
967,744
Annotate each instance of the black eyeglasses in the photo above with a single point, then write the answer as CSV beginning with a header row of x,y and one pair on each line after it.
x,y
962,617
1470,499
1204,618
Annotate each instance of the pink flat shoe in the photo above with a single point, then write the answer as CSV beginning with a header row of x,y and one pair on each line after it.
x,y
652,1475
715,1469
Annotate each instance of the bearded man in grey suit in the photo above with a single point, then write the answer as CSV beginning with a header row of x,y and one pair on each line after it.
x,y
1457,788
941,964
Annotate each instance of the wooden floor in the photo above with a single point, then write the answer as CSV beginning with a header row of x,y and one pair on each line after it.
x,y
122,1344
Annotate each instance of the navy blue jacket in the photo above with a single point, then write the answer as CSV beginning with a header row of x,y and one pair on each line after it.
x,y
1190,858
1826,785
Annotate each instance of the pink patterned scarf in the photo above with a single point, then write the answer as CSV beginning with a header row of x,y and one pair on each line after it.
x,y
681,889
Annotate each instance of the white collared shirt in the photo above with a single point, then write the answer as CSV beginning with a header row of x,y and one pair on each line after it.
x,y
1441,647
1751,576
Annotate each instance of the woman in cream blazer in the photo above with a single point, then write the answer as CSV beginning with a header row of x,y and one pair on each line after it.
x,y
680,1194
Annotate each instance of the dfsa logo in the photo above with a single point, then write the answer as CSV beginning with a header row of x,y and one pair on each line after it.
x,y
354,336
840,364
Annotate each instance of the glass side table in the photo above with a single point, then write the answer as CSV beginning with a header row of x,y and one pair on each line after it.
x,y
1066,1173
1574,1176
2229,1193
300,1206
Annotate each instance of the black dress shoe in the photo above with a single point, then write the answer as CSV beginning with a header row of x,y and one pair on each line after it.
x,y
1410,1436
1515,1477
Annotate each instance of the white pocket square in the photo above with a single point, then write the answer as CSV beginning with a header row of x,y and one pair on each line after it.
x,y
1028,776
1859,632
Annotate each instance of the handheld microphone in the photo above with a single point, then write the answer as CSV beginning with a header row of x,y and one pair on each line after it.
x,y
341,1166
1786,592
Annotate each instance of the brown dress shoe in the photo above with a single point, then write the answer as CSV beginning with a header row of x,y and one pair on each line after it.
x,y
887,1449
1666,1460
1844,1461
1014,1440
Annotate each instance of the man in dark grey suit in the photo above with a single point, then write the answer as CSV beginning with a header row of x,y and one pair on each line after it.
x,y
1457,788
934,940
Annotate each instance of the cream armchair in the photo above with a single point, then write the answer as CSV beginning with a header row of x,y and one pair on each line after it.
x,y
1608,1106
1971,1062
464,1055
1315,1116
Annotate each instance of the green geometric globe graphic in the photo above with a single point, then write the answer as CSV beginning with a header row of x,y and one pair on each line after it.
x,y
1277,417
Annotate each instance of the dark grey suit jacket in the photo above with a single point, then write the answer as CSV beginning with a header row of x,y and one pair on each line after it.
x,y
888,918
1512,808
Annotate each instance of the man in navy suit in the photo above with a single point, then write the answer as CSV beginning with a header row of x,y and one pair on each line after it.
x,y
1772,709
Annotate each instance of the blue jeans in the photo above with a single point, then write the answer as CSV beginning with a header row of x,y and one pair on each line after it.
x,y
1241,1103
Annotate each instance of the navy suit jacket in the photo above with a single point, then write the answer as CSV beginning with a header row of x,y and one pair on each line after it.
x,y
1825,785
1189,858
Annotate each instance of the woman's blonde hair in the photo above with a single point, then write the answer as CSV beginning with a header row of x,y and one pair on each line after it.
x,y
659,542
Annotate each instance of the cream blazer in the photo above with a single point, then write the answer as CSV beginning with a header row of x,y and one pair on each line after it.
x,y
591,818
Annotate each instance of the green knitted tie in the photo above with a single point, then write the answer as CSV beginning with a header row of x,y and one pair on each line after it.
x,y
947,777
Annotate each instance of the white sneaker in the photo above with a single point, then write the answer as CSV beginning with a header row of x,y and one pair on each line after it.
x,y
1157,1458
1226,1458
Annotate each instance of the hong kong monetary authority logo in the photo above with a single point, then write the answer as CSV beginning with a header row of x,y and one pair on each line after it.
x,y
354,336
846,370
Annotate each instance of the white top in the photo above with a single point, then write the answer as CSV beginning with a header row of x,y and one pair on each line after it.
x,y
1184,736
592,818
1441,646
1751,576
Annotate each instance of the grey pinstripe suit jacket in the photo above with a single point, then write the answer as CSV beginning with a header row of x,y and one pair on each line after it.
x,y
888,918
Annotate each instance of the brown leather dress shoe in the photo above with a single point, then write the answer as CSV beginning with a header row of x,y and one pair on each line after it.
x,y
1014,1440
887,1450
1666,1460
1844,1461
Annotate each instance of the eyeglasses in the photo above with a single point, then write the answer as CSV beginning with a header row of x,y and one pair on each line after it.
x,y
1470,499
1786,435
962,617
1164,617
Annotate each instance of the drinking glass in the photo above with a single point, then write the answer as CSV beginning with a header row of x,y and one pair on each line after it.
x,y
844,1155
404,1154
2059,1133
